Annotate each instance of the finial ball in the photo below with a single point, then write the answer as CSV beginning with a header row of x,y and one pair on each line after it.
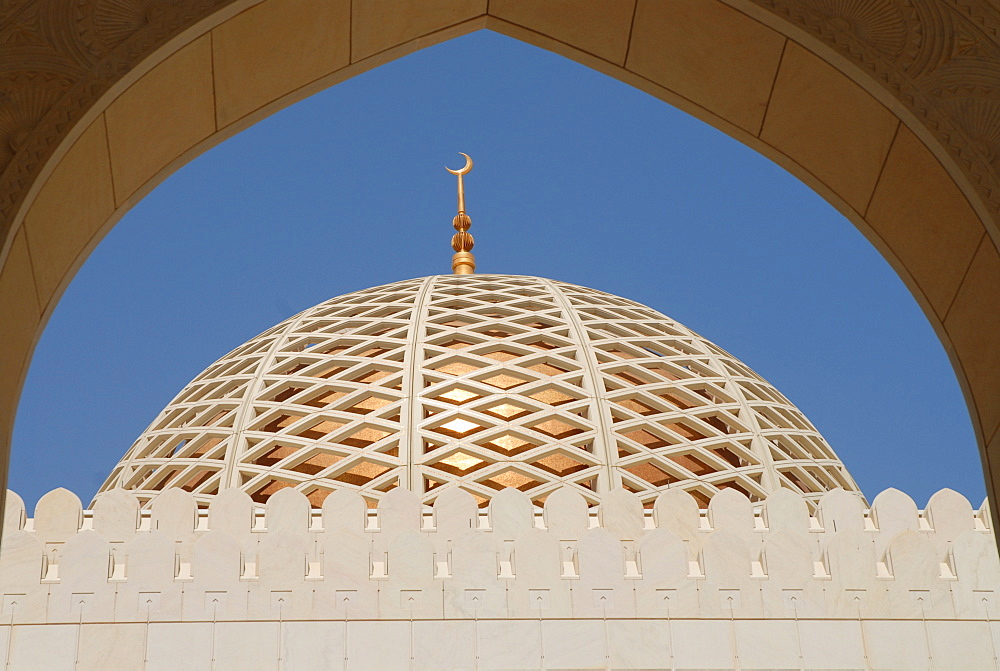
x,y
462,242
461,222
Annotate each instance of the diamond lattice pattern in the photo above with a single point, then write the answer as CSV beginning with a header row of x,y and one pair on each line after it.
x,y
488,381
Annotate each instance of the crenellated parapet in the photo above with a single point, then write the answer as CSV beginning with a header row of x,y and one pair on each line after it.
x,y
238,560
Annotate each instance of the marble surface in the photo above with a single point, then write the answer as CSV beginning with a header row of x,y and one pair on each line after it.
x,y
504,644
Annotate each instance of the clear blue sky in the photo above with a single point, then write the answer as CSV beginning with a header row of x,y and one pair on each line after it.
x,y
578,177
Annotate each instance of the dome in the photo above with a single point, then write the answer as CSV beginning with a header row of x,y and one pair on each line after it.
x,y
487,381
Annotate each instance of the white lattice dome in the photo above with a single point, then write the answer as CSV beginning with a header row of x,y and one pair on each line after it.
x,y
490,381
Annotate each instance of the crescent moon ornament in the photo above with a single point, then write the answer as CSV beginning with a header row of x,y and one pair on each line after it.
x,y
463,171
461,183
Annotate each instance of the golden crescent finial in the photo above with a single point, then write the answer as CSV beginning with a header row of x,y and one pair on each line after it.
x,y
462,262
464,170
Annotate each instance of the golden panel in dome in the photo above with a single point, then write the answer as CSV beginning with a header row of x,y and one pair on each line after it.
x,y
320,429
559,464
645,438
502,355
691,463
457,368
458,396
460,463
264,492
362,473
552,397
508,444
368,405
372,376
459,427
547,369
275,455
557,428
324,399
205,446
511,478
541,343
636,407
281,422
328,371
632,377
316,463
365,437
457,344
650,473
504,381
507,411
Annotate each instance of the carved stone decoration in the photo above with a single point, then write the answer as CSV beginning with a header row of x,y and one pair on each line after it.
x,y
57,58
977,110
885,25
934,56
24,100
107,23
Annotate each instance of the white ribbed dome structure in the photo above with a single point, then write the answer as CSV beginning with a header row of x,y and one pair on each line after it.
x,y
488,381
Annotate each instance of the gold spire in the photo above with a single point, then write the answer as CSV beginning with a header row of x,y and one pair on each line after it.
x,y
462,262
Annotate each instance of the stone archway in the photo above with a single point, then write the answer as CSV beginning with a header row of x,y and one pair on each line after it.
x,y
888,109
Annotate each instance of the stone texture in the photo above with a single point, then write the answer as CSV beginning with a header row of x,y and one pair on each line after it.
x,y
924,221
897,645
709,53
19,307
377,25
515,644
764,644
314,645
600,27
246,645
574,644
70,211
49,647
13,512
460,653
274,48
112,646
829,125
639,644
690,652
832,645
160,117
57,516
392,650
973,325
179,646
959,646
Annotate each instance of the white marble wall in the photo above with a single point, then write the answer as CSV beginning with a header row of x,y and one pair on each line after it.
x,y
503,644
283,586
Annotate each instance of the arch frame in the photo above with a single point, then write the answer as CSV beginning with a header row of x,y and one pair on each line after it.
x,y
751,68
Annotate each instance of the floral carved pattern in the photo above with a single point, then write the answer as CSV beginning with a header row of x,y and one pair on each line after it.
x,y
57,58
938,58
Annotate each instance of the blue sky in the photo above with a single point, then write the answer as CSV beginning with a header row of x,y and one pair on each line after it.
x,y
578,177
